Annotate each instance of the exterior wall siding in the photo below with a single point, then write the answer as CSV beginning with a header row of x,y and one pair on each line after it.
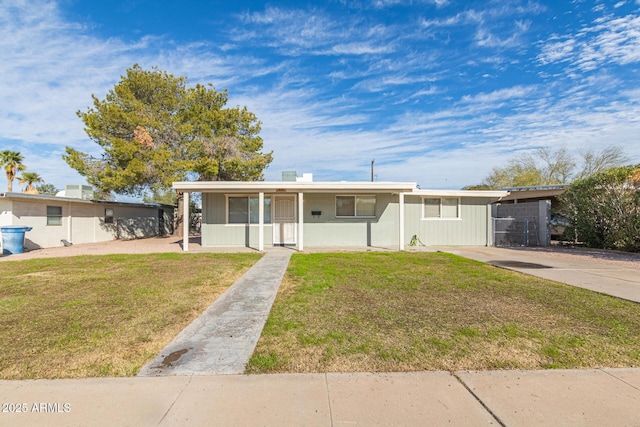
x,y
325,229
34,214
216,231
6,212
471,229
82,222
329,230
133,222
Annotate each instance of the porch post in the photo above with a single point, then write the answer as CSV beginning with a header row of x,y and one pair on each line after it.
x,y
401,219
185,222
261,221
69,225
300,222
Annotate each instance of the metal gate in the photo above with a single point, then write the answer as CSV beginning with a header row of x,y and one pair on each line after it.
x,y
515,232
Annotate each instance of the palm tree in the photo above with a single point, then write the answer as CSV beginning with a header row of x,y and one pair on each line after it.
x,y
30,178
12,162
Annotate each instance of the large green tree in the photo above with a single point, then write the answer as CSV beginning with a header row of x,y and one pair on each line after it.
x,y
12,163
154,129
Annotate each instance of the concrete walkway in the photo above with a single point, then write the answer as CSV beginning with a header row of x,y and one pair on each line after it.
x,y
222,339
608,397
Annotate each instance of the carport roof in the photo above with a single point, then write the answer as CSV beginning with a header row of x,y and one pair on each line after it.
x,y
535,193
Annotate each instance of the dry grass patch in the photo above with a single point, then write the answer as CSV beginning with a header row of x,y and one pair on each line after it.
x,y
434,311
94,316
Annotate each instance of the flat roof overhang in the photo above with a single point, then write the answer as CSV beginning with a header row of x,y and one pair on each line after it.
x,y
534,194
293,187
487,194
59,199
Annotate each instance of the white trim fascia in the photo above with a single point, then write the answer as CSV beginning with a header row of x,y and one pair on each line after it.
x,y
283,187
491,194
409,188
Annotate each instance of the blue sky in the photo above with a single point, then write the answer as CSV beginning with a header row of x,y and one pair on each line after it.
x,y
436,91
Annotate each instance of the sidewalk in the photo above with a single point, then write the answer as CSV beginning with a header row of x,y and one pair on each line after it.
x,y
511,398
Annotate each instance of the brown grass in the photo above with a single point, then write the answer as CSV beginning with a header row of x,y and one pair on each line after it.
x,y
93,316
431,311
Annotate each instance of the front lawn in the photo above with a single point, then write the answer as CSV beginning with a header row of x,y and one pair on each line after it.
x,y
433,311
94,316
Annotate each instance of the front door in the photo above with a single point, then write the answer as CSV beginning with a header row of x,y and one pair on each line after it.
x,y
284,221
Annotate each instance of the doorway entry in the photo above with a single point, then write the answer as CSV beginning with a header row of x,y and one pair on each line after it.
x,y
284,221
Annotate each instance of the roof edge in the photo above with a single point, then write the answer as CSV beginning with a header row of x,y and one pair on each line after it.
x,y
490,194
47,197
408,188
212,186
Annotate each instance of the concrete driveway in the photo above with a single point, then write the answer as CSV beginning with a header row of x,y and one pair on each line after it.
x,y
607,272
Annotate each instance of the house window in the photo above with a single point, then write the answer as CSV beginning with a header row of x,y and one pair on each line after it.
x,y
444,207
54,215
246,210
108,216
356,206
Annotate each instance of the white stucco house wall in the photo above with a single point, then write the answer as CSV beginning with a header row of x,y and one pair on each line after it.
x,y
304,213
62,220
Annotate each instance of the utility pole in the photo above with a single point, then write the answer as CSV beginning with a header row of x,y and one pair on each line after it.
x,y
372,161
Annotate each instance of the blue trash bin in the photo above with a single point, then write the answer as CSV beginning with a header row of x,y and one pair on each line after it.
x,y
13,238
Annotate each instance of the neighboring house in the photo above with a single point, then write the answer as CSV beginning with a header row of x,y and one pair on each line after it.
x,y
76,219
304,213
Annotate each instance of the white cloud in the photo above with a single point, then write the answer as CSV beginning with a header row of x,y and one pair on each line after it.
x,y
358,49
505,94
49,69
485,38
377,99
609,39
382,4
469,17
291,30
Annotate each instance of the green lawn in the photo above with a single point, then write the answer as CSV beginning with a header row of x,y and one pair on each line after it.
x,y
433,311
93,316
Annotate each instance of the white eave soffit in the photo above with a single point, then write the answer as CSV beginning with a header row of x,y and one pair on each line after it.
x,y
460,193
308,187
408,188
